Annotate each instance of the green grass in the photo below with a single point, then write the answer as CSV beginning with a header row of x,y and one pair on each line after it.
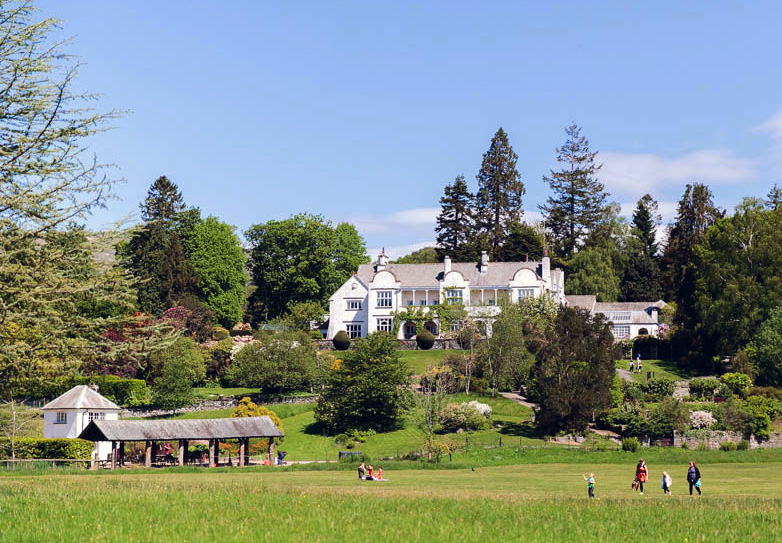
x,y
419,361
212,393
523,502
661,368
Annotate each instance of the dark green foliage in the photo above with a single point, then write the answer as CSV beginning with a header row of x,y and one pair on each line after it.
x,y
48,448
425,340
219,359
174,372
455,223
738,383
523,242
641,280
300,259
427,255
774,197
771,393
703,388
368,389
667,416
341,341
593,273
280,363
574,370
658,389
500,191
129,392
765,350
742,445
163,201
745,417
578,201
646,218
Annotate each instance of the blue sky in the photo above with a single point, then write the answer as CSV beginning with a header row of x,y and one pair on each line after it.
x,y
363,111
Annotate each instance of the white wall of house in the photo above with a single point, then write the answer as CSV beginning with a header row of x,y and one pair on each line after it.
x,y
75,420
348,306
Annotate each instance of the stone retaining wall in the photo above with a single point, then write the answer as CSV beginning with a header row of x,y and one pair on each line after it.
x,y
713,439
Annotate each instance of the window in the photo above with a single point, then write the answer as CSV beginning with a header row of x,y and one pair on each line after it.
x,y
62,418
526,293
354,305
96,416
409,330
619,316
490,301
422,302
385,324
621,331
410,302
455,326
453,296
384,298
354,331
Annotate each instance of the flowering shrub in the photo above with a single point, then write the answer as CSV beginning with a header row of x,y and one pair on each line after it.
x,y
701,420
463,416
482,408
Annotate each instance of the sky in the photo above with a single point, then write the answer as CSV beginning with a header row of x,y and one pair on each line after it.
x,y
364,111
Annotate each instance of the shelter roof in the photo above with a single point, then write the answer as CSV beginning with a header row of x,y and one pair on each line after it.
x,y
143,430
81,397
430,275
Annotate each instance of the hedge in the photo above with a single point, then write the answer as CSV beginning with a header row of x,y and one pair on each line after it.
x,y
131,392
47,448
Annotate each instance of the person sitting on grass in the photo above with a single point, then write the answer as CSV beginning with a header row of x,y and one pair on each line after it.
x,y
371,476
361,471
379,473
590,484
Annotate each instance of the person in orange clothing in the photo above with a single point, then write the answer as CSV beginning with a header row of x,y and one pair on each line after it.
x,y
370,476
641,474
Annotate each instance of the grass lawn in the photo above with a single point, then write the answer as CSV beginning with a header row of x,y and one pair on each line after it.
x,y
661,368
213,393
419,361
522,502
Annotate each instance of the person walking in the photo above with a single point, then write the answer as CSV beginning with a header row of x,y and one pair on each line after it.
x,y
666,483
590,484
641,474
632,366
694,478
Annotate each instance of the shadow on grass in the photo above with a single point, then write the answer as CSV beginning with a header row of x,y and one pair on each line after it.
x,y
521,429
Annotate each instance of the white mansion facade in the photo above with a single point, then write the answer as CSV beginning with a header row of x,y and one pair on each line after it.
x,y
370,299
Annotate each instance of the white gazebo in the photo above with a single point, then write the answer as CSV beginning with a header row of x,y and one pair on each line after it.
x,y
68,415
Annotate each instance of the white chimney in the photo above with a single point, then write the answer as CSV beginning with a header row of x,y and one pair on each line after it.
x,y
382,261
447,263
484,265
546,265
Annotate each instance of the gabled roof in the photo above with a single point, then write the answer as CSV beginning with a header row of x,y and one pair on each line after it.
x,y
584,302
143,430
429,275
81,397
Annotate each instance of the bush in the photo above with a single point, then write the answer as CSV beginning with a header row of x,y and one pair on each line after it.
x,y
701,420
657,389
425,340
742,445
703,389
33,447
727,446
341,341
771,393
247,408
630,444
314,334
738,383
219,333
685,446
632,392
462,416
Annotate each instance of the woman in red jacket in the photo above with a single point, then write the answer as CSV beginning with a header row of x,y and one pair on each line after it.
x,y
641,474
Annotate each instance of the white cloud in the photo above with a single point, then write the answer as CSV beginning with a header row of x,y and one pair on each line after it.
x,y
399,250
417,219
633,174
773,127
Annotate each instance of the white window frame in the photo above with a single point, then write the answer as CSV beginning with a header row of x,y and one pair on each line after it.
x,y
96,415
385,299
354,305
385,324
526,292
62,417
454,296
620,316
621,331
353,330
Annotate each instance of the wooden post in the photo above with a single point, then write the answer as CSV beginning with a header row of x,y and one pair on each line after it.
x,y
121,453
211,452
148,455
271,451
242,451
217,452
114,455
181,452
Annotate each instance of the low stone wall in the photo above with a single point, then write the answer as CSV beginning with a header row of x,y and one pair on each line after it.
x,y
404,344
713,439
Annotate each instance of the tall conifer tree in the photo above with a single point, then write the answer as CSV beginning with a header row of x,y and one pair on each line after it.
x,y
500,191
774,197
579,198
163,201
646,218
455,221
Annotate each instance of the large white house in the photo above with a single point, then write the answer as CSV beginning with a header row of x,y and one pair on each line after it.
x,y
368,301
628,319
68,414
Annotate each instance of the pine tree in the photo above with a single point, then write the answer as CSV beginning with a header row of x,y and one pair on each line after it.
x,y
579,198
455,221
646,218
641,280
774,197
163,201
500,191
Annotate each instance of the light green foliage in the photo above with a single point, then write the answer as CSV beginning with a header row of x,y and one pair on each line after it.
x,y
32,447
247,408
630,444
703,388
455,416
765,350
300,259
738,383
427,255
301,315
219,263
174,372
281,362
366,390
593,273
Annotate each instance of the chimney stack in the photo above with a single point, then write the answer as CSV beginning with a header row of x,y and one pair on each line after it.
x,y
382,261
447,264
484,264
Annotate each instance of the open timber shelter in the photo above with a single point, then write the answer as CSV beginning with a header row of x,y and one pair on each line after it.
x,y
118,432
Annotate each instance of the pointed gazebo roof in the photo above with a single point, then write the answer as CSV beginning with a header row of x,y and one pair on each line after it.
x,y
81,397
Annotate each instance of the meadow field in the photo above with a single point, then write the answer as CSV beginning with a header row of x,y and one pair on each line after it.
x,y
527,502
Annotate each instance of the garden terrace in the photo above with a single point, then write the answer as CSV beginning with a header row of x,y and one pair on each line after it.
x,y
151,431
